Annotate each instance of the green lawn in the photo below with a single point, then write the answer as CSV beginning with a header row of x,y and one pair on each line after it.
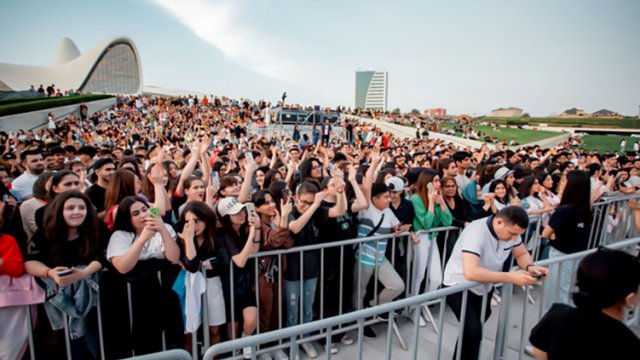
x,y
604,143
626,122
18,106
522,136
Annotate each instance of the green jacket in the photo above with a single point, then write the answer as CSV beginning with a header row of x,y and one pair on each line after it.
x,y
425,220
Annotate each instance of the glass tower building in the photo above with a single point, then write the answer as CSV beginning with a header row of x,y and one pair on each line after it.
x,y
371,90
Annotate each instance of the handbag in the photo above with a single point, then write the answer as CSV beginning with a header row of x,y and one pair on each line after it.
x,y
20,291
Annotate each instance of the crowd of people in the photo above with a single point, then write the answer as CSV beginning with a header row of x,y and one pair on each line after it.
x,y
175,196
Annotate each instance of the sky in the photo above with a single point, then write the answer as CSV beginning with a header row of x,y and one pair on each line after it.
x,y
467,56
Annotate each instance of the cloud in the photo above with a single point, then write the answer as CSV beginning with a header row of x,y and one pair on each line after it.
x,y
217,23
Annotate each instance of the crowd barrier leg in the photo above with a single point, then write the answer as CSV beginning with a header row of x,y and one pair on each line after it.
x,y
67,339
443,305
483,316
130,308
463,317
390,329
503,322
100,332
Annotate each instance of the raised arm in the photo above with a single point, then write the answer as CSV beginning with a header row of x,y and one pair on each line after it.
x,y
362,201
369,175
245,191
188,169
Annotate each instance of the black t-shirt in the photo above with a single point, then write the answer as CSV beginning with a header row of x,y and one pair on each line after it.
x,y
226,249
569,333
572,234
405,212
71,252
341,228
96,194
310,234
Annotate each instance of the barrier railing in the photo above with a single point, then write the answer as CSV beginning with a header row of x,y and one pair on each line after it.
x,y
445,235
438,296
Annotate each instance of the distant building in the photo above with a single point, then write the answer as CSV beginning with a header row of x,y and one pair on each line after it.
x,y
435,112
573,112
113,66
606,114
371,90
507,112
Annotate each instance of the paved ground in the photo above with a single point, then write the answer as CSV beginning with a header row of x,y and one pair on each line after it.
x,y
428,339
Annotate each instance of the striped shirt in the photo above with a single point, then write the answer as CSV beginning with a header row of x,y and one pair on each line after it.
x,y
369,254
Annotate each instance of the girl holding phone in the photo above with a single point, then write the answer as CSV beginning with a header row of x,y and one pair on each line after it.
x,y
67,252
140,246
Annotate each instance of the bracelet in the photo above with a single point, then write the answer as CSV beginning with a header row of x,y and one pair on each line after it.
x,y
46,273
526,268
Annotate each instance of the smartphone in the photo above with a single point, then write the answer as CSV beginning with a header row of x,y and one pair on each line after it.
x,y
64,272
248,155
430,187
538,276
154,211
251,208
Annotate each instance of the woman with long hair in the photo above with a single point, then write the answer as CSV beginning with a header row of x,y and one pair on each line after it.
x,y
140,246
311,169
431,212
274,222
65,254
198,248
568,231
607,282
239,237
535,204
124,182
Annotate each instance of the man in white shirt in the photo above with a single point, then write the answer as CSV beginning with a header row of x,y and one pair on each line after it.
x,y
34,165
479,255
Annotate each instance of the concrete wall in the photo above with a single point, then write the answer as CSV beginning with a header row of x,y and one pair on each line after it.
x,y
36,119
403,131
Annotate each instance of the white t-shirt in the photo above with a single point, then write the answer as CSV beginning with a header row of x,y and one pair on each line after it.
x,y
478,239
23,185
531,203
121,241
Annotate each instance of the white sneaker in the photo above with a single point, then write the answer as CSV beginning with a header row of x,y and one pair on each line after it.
x,y
346,339
265,356
246,352
334,348
421,321
309,350
279,355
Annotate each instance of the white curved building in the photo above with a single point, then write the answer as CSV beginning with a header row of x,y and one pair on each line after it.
x,y
113,66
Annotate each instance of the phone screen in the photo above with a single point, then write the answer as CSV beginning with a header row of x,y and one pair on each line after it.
x,y
154,211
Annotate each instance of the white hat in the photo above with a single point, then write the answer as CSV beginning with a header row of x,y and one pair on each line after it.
x,y
229,206
394,183
502,173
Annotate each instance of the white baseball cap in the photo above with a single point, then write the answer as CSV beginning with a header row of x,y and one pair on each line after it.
x,y
394,183
229,206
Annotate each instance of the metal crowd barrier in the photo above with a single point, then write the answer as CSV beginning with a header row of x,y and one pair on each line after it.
x,y
437,297
624,230
528,314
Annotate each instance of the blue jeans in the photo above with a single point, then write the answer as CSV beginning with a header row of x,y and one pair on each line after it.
x,y
292,291
558,282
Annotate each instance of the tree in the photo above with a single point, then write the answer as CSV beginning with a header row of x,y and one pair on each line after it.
x,y
415,111
396,111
